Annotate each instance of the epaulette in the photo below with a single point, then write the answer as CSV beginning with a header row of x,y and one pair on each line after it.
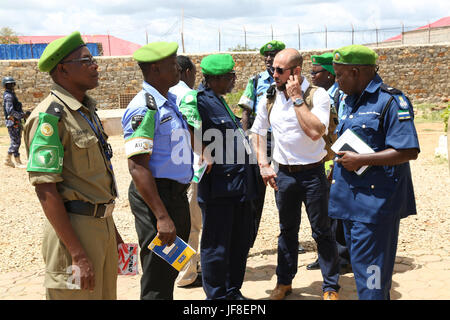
x,y
55,109
150,101
390,90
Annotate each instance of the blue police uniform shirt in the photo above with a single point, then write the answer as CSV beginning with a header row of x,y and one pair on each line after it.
x,y
11,107
231,179
382,193
172,153
264,82
331,92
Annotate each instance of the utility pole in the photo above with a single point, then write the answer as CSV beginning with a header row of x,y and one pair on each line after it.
x,y
271,28
182,29
299,41
245,39
353,34
146,36
219,39
326,37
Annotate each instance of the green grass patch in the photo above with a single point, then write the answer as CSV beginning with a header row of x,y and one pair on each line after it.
x,y
426,112
232,99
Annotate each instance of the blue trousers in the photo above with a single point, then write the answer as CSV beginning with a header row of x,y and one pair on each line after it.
x,y
15,135
372,253
225,243
308,187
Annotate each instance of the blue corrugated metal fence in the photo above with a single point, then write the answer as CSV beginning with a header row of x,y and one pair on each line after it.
x,y
32,51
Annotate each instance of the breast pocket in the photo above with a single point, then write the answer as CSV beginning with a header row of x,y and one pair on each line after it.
x,y
86,154
223,122
368,130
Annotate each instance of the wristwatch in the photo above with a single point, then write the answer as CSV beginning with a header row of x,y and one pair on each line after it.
x,y
298,102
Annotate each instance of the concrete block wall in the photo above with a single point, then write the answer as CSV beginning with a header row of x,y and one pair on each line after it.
x,y
421,71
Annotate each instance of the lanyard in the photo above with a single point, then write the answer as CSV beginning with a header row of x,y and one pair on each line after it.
x,y
232,116
106,146
244,138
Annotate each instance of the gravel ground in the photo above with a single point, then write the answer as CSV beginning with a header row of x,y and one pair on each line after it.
x,y
21,216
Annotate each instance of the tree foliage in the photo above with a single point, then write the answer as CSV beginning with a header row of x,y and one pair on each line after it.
x,y
8,36
240,48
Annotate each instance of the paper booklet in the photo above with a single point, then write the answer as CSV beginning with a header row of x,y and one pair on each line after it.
x,y
177,255
199,169
349,141
128,259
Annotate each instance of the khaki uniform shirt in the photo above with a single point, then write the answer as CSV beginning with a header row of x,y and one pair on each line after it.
x,y
87,174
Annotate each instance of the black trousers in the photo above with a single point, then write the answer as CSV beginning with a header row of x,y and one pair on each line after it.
x,y
158,277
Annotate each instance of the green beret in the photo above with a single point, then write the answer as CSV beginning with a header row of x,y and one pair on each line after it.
x,y
325,60
58,50
273,45
217,64
155,51
355,54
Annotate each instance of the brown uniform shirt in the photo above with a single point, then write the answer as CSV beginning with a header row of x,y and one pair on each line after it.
x,y
87,174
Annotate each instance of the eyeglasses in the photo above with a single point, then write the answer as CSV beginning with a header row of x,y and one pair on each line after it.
x,y
86,60
313,73
280,71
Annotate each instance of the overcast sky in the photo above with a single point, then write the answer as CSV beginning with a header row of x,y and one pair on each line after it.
x,y
157,20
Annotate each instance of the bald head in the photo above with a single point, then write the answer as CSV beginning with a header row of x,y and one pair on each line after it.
x,y
290,56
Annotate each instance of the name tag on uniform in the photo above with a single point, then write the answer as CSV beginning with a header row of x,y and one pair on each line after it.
x,y
166,119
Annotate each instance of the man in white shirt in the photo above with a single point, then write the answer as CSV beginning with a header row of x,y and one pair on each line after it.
x,y
299,149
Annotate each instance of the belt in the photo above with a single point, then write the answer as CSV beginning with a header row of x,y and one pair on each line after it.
x,y
299,167
174,187
102,210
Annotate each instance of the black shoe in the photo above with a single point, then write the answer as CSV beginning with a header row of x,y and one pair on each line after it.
x,y
237,296
301,249
345,268
313,266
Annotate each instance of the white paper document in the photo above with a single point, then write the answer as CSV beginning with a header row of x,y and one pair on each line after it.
x,y
349,141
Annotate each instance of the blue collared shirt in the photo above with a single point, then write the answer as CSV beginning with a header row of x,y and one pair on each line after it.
x,y
382,193
172,156
331,92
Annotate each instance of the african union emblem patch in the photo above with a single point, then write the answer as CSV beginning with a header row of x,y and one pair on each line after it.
x,y
47,129
46,158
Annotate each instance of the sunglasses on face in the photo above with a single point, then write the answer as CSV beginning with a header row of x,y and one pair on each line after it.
x,y
313,73
280,71
86,60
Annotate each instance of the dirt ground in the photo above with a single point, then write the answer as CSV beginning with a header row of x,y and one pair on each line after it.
x,y
21,216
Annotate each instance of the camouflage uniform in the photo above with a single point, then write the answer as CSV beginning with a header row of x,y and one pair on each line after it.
x,y
13,114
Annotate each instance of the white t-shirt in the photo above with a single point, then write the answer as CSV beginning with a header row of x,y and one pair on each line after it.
x,y
292,145
180,90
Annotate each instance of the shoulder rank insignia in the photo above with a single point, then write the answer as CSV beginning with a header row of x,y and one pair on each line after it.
x,y
150,101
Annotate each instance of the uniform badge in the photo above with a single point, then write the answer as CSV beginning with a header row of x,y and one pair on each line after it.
x,y
269,46
403,115
403,104
337,56
136,121
47,129
166,119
